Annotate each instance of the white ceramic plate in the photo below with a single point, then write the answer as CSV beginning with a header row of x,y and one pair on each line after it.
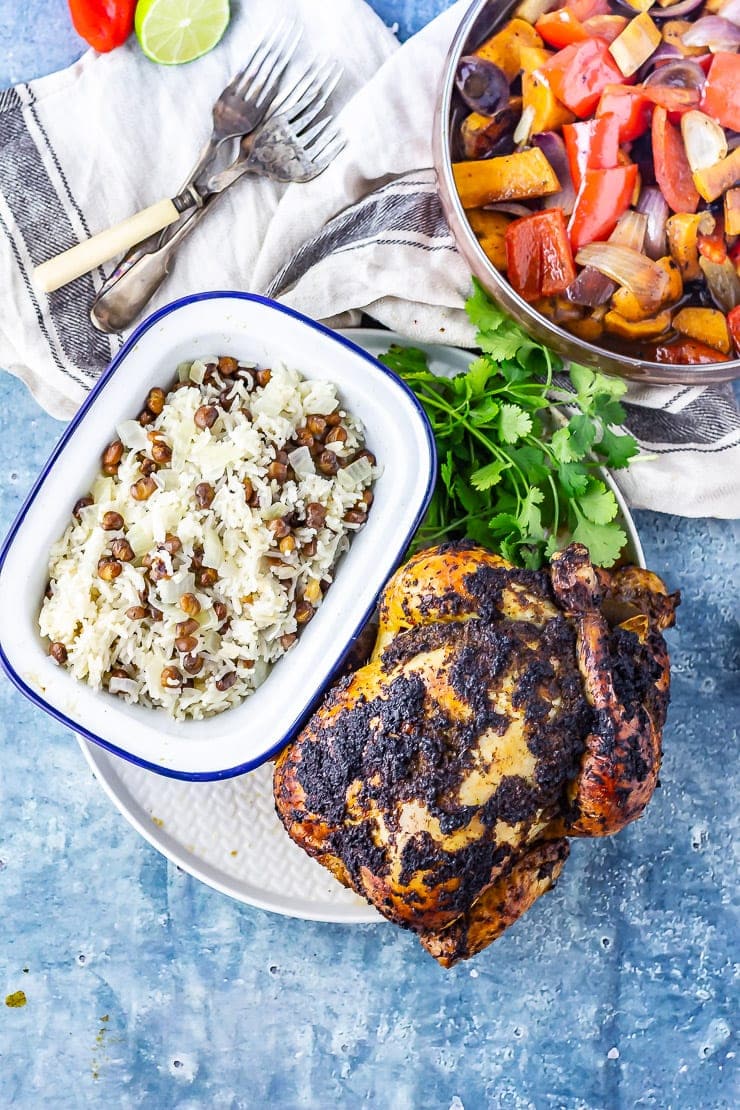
x,y
227,834
398,433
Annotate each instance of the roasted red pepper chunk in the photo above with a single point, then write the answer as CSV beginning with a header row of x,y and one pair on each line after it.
x,y
560,28
578,75
539,261
603,197
672,170
721,98
591,145
689,352
632,110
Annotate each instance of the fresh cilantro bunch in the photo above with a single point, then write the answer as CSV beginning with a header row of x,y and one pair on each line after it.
x,y
519,453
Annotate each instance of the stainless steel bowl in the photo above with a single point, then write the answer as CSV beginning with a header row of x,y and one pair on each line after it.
x,y
481,19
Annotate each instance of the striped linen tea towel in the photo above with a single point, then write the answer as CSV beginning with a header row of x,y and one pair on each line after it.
x,y
86,147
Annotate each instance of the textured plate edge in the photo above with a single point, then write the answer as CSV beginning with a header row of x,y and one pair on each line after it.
x,y
102,763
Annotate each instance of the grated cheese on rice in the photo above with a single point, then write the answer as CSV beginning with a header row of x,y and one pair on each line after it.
x,y
263,592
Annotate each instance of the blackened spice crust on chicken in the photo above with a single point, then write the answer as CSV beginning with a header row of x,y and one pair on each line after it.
x,y
500,714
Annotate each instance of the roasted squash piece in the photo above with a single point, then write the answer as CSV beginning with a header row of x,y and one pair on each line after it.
x,y
683,230
490,228
504,48
651,328
732,212
626,303
708,325
519,176
549,113
714,180
588,329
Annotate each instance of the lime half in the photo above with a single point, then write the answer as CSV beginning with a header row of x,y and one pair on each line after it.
x,y
174,31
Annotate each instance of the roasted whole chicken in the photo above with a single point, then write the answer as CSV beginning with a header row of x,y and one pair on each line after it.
x,y
502,712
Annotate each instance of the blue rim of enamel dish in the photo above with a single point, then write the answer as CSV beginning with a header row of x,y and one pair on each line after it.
x,y
242,768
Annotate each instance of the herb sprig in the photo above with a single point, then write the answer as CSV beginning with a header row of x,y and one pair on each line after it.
x,y
519,453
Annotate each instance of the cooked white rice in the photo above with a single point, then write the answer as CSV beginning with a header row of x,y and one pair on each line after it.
x,y
259,585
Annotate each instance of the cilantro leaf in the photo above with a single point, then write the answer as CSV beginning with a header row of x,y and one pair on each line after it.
x,y
489,475
405,360
500,344
616,450
573,478
582,434
530,514
482,312
604,541
562,446
598,504
513,423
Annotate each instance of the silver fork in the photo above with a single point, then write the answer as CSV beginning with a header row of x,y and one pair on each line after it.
x,y
240,108
292,145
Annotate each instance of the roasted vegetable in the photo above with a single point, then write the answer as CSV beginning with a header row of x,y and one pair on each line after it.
x,y
672,171
713,181
631,308
538,255
602,198
511,177
683,231
549,113
483,136
483,86
591,145
732,212
635,44
721,98
708,325
631,109
579,74
704,140
504,48
643,277
490,228
651,327
689,352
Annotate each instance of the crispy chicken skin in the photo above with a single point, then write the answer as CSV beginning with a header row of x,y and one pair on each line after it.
x,y
502,711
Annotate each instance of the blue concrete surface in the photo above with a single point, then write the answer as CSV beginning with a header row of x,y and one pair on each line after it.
x,y
146,988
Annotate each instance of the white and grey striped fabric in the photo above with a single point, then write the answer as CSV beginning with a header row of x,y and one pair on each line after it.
x,y
86,147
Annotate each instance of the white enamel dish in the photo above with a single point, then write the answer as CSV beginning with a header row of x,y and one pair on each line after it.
x,y
227,834
397,432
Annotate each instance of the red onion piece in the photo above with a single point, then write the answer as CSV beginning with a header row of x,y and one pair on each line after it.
x,y
652,204
686,74
590,288
553,148
511,208
482,85
676,11
731,11
712,31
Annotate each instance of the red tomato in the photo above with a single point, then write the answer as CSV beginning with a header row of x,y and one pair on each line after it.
x,y
602,198
591,145
105,24
560,28
689,352
722,90
733,319
672,170
631,109
539,261
578,75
